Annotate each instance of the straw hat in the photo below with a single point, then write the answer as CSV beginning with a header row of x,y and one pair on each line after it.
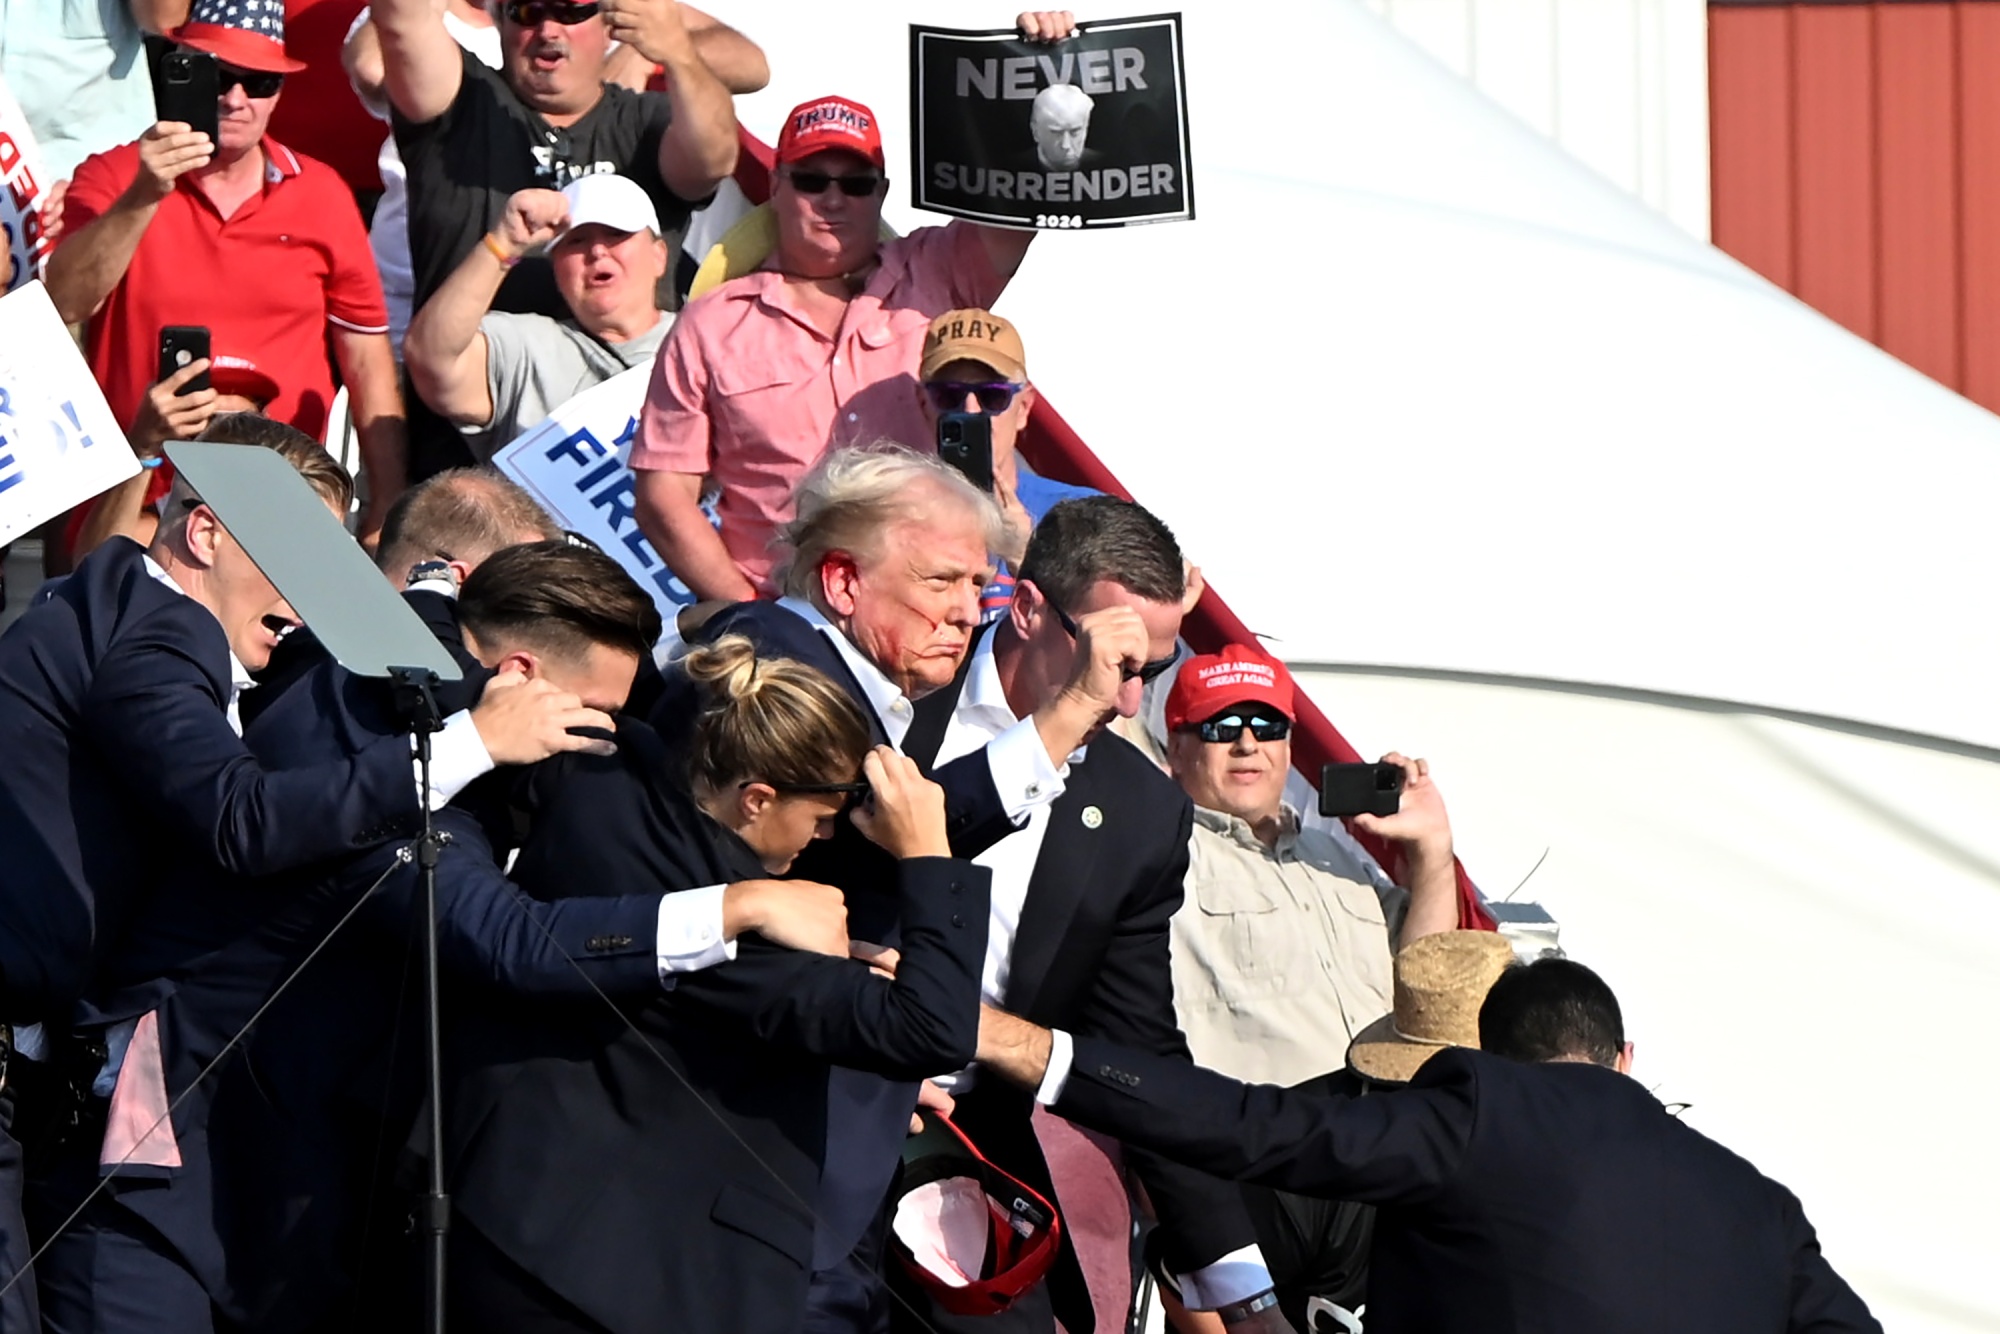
x,y
1441,980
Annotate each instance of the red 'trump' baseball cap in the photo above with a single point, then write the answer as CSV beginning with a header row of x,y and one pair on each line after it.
x,y
827,123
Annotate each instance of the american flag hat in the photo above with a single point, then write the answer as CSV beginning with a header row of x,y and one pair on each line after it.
x,y
249,34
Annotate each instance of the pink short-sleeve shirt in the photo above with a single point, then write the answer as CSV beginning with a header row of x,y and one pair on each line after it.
x,y
749,393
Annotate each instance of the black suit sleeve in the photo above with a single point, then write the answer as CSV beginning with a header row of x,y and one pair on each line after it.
x,y
924,1022
1398,1147
1132,1003
155,712
491,933
974,818
1821,1301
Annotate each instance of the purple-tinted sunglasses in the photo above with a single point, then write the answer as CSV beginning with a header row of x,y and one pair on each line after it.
x,y
993,396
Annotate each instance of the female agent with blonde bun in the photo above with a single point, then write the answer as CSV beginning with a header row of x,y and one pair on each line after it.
x,y
701,1160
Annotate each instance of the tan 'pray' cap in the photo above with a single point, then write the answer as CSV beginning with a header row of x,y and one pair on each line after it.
x,y
974,335
1441,981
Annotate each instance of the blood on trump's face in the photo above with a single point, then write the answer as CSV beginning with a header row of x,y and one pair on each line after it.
x,y
911,605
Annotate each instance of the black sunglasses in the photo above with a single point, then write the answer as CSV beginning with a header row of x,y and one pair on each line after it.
x,y
858,186
1147,672
950,395
853,792
256,82
1226,727
532,13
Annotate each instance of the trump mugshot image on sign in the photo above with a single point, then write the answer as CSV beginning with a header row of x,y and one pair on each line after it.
x,y
1087,132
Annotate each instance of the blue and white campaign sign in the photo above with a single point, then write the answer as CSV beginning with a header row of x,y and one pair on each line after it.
x,y
59,443
574,463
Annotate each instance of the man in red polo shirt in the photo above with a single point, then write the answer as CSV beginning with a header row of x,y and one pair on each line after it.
x,y
261,245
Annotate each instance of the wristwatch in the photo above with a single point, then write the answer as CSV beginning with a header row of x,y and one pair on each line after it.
x,y
432,572
1235,1313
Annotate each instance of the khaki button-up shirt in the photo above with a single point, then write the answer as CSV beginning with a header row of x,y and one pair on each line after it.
x,y
1280,955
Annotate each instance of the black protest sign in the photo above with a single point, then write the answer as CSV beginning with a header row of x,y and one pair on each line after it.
x,y
1090,131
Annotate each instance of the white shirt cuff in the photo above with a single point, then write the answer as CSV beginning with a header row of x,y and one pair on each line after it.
x,y
1235,1277
457,757
1022,772
690,936
1062,1054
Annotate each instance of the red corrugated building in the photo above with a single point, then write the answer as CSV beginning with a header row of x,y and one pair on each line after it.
x,y
1856,162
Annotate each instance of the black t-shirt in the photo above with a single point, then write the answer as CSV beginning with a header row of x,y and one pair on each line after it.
x,y
487,145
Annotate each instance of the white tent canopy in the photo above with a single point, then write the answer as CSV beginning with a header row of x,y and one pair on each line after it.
x,y
1683,587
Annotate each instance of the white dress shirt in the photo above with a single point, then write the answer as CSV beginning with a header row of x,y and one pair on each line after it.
x,y
981,717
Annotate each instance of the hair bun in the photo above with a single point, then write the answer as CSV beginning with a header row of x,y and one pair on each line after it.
x,y
726,669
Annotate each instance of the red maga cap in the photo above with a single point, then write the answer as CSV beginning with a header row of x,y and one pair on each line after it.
x,y
240,376
972,1236
1240,674
828,123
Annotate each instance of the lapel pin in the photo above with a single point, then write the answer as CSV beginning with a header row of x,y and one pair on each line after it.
x,y
1092,817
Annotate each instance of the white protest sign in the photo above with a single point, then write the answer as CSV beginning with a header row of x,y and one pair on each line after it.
x,y
59,443
574,463
24,188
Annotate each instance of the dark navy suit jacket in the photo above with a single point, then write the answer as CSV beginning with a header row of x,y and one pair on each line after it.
x,y
277,1143
1090,956
120,760
1558,1198
660,1170
870,1115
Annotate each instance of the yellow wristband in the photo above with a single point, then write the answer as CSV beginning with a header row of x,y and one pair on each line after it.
x,y
507,261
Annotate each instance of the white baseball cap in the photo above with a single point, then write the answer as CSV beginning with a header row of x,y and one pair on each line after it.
x,y
611,200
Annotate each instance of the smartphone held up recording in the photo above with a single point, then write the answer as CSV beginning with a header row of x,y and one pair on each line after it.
x,y
965,441
1360,789
190,84
181,345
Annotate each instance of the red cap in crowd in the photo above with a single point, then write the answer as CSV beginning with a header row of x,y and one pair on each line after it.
x,y
828,123
249,34
1240,674
240,376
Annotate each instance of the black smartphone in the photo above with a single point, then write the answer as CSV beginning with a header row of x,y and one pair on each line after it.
x,y
188,90
179,345
1360,789
965,441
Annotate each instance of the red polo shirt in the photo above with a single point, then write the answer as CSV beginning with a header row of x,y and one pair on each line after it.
x,y
266,280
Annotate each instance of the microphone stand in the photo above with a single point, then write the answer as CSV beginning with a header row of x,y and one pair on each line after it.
x,y
416,703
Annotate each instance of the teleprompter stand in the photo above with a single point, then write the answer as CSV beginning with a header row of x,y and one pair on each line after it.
x,y
416,704
344,600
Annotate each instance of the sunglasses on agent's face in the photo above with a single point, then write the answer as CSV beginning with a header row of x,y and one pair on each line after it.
x,y
533,13
256,82
858,185
1147,672
1225,728
854,793
993,396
